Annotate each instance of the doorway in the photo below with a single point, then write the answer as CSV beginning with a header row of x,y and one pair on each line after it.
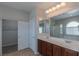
x,y
9,36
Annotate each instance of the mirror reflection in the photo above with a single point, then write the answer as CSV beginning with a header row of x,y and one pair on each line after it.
x,y
66,27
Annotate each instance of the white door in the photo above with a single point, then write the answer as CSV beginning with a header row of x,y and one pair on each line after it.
x,y
22,35
0,37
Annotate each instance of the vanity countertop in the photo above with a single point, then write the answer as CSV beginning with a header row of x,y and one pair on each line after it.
x,y
66,43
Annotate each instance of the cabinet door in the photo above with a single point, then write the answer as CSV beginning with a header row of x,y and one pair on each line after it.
x,y
78,53
44,48
39,46
56,50
49,49
67,52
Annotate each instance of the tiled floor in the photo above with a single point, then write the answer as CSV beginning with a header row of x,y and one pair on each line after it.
x,y
11,51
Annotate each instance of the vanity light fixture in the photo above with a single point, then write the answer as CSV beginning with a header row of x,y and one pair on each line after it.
x,y
56,7
48,11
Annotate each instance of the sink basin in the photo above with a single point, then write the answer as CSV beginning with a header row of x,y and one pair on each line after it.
x,y
66,41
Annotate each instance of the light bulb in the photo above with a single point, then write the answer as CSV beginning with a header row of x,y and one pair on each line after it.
x,y
53,8
50,10
47,11
63,4
58,6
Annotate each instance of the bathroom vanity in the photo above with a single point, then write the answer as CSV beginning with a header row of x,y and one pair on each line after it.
x,y
57,47
49,49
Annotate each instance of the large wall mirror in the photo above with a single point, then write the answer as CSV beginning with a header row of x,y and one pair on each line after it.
x,y
65,26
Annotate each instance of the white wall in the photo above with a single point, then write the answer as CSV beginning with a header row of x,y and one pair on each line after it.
x,y
12,14
33,31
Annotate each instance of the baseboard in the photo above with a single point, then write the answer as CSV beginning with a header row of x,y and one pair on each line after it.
x,y
10,44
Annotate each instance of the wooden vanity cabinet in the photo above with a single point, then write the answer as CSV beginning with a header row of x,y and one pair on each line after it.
x,y
68,52
44,48
56,50
78,53
49,49
40,46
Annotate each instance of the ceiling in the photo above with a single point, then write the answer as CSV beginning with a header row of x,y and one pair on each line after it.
x,y
28,6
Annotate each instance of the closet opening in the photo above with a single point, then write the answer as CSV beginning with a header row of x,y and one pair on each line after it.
x,y
9,36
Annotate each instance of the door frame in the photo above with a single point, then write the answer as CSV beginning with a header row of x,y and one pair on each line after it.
x,y
0,36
